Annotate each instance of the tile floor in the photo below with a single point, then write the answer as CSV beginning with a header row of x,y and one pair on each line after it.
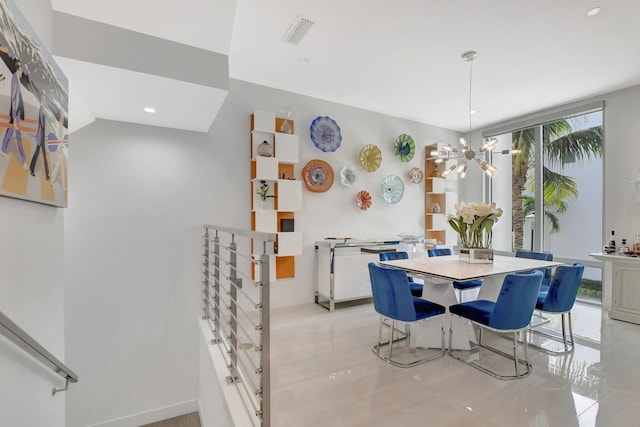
x,y
324,374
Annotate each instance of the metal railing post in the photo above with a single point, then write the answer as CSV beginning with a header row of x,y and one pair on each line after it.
x,y
216,287
239,317
265,343
233,309
207,266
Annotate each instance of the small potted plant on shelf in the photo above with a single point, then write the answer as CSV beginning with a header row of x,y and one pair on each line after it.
x,y
263,192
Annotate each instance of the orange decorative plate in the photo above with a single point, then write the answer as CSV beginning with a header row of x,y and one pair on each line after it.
x,y
363,200
317,176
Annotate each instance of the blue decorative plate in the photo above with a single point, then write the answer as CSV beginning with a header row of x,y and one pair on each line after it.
x,y
325,134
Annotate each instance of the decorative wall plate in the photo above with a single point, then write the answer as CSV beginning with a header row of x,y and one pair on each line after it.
x,y
348,176
363,200
392,189
370,157
404,147
325,134
415,175
317,176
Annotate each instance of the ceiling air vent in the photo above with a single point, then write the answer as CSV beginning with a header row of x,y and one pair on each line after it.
x,y
297,30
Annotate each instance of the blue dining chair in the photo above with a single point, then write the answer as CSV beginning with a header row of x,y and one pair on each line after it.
x,y
392,299
459,286
510,313
541,256
559,299
416,288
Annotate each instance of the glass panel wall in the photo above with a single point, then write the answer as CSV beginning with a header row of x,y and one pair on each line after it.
x,y
566,216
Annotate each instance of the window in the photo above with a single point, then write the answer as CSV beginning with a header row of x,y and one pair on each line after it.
x,y
553,198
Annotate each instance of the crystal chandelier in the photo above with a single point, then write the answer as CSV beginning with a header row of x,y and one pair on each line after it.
x,y
465,154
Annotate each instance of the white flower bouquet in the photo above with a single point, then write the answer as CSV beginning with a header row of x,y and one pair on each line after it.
x,y
474,223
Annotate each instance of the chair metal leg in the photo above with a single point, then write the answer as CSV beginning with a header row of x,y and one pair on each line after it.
x,y
409,358
393,328
442,342
379,336
570,329
407,343
450,332
569,345
519,372
564,332
515,352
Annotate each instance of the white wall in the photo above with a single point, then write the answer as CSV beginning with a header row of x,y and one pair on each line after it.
x,y
334,212
133,235
32,291
622,163
139,198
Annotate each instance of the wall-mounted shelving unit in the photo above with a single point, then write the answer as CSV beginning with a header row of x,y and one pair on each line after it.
x,y
276,214
440,192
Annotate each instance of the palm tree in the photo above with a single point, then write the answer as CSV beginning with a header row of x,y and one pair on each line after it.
x,y
561,146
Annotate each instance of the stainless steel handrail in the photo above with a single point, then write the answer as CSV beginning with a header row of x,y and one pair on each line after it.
x,y
18,336
228,308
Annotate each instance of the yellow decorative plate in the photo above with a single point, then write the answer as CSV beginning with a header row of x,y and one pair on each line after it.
x,y
370,157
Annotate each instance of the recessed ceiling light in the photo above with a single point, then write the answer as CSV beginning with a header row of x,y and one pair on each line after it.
x,y
149,110
593,11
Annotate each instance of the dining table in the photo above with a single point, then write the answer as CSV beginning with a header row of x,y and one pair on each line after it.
x,y
438,273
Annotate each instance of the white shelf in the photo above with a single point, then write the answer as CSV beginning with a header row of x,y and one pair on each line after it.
x,y
286,148
266,168
290,243
266,221
264,121
289,195
440,221
258,138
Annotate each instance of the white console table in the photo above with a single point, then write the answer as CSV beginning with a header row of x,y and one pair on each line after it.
x,y
341,268
621,286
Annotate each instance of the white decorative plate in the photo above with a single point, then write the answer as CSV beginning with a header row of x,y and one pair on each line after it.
x,y
348,176
392,189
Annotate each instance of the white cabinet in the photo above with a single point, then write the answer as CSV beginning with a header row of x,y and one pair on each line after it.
x,y
625,304
289,195
621,287
342,269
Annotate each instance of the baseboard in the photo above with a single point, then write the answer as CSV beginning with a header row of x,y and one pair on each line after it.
x,y
152,416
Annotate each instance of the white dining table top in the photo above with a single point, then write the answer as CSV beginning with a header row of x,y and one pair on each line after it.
x,y
452,268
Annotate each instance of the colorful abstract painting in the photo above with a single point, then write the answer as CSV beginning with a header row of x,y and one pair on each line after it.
x,y
34,100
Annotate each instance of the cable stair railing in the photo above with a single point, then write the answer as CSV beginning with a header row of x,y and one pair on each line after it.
x,y
22,339
238,314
